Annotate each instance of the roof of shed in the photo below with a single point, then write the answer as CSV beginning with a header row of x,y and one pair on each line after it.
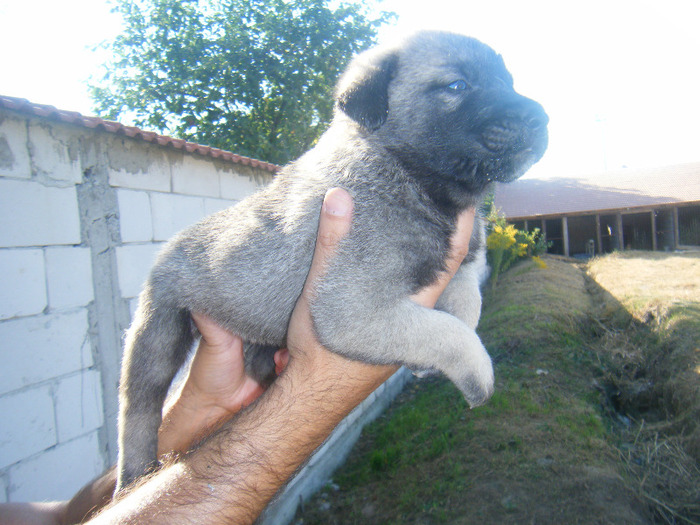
x,y
624,189
73,117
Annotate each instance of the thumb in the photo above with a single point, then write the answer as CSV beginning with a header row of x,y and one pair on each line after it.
x,y
334,224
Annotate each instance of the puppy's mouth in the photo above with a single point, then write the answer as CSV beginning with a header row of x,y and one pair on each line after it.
x,y
509,147
503,138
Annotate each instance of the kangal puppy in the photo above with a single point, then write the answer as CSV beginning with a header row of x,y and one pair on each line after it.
x,y
420,131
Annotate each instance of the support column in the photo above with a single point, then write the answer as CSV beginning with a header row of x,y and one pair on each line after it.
x,y
544,230
676,230
653,231
109,313
598,235
620,234
565,234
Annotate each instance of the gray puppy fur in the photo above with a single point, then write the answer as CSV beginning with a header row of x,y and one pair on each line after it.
x,y
421,129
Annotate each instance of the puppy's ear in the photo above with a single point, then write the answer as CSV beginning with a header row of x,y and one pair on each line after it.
x,y
363,91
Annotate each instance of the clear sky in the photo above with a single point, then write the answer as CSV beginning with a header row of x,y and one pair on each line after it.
x,y
620,79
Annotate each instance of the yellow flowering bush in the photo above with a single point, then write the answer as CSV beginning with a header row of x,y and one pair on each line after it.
x,y
506,244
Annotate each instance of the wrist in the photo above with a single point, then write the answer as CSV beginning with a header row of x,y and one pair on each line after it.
x,y
324,379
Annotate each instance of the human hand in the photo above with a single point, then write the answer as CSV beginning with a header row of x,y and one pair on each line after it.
x,y
216,388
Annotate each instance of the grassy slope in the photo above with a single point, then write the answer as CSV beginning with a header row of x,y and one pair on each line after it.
x,y
541,451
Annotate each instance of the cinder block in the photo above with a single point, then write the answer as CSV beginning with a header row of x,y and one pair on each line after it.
x,y
195,176
235,186
134,263
69,276
22,283
35,349
135,221
214,205
27,424
78,405
54,152
32,214
172,213
58,473
14,154
138,166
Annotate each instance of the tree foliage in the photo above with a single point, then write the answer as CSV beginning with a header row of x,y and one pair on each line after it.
x,y
252,76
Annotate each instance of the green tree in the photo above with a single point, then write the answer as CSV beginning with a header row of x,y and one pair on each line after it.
x,y
252,76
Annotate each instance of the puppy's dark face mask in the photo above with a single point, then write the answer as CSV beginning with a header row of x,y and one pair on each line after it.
x,y
448,111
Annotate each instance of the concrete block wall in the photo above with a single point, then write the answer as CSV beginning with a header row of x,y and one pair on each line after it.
x,y
82,214
50,391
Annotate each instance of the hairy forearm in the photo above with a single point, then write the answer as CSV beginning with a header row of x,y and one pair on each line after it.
x,y
236,471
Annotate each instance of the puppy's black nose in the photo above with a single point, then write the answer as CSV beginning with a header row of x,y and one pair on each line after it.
x,y
529,112
538,121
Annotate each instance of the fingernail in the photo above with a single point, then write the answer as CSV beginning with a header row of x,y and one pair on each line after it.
x,y
337,202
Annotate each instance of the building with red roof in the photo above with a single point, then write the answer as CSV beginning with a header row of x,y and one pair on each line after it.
x,y
643,209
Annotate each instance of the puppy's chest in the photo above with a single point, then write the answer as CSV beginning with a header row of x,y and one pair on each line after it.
x,y
401,243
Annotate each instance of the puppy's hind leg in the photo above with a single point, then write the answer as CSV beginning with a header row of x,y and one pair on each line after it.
x,y
156,346
462,297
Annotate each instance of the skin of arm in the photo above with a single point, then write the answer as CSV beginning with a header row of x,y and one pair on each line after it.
x,y
234,472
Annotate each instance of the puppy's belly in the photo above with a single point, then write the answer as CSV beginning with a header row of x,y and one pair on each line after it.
x,y
251,289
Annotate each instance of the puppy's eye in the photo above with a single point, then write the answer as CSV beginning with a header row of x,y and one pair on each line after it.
x,y
458,85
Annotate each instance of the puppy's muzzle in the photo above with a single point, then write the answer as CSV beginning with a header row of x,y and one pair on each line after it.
x,y
521,125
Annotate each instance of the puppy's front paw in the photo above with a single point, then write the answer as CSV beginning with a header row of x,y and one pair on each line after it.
x,y
476,382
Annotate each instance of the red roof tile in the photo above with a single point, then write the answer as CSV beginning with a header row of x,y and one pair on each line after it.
x,y
624,189
73,117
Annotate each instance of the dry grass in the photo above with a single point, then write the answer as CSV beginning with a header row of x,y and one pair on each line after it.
x,y
641,280
649,306
666,476
649,282
656,353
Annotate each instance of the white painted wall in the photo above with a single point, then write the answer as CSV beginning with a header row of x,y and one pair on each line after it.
x,y
71,265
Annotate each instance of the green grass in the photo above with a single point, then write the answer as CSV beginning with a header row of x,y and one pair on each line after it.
x,y
546,447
